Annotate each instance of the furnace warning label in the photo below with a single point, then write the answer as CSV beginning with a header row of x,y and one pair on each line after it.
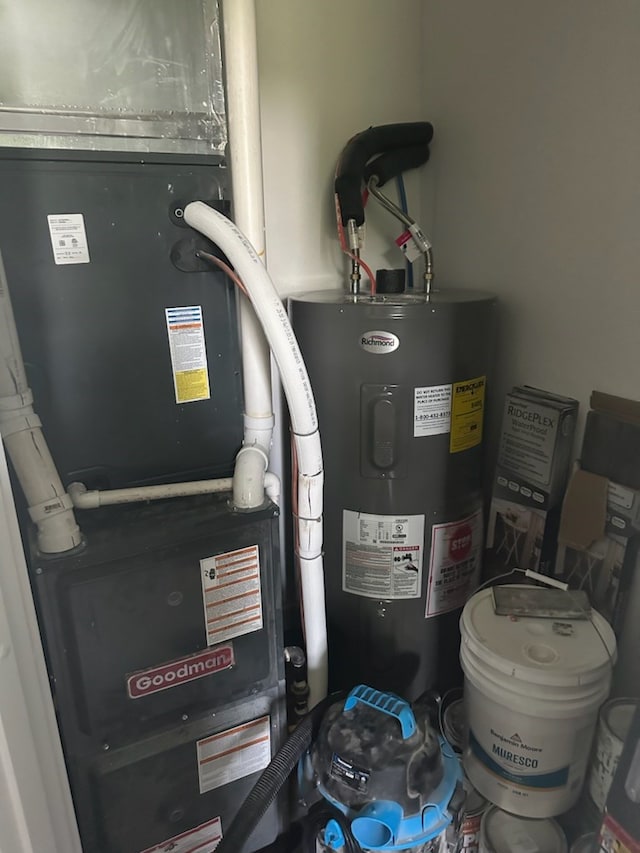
x,y
68,238
232,594
201,839
454,563
382,555
431,410
467,411
234,754
188,353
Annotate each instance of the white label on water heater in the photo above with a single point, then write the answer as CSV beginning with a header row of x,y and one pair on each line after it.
x,y
454,563
68,238
382,555
431,410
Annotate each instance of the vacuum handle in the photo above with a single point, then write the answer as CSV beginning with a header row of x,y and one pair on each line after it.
x,y
386,703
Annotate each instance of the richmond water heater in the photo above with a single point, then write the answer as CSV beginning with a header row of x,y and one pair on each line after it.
x,y
400,384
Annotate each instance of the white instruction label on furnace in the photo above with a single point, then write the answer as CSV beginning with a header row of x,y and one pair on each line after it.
x,y
382,555
232,594
454,563
68,238
188,353
431,410
201,839
234,754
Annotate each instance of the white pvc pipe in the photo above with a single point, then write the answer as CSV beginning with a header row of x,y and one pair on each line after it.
x,y
245,160
83,499
304,422
49,506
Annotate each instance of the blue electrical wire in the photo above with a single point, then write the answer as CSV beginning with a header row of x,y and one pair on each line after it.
x,y
404,207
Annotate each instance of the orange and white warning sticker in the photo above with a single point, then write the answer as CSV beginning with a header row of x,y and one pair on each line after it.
x,y
234,754
200,839
232,594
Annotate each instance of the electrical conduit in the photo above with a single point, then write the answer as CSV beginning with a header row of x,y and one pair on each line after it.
x,y
304,422
50,506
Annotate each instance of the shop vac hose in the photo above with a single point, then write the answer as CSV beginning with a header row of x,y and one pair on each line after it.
x,y
272,778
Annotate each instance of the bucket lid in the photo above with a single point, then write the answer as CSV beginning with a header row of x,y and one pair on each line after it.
x,y
618,715
504,833
586,844
537,650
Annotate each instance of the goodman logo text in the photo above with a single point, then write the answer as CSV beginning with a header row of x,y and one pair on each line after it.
x,y
179,671
378,342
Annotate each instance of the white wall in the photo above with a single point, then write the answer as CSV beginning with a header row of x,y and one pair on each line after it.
x,y
328,70
537,169
36,812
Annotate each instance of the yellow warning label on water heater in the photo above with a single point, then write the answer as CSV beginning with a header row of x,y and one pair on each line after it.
x,y
467,410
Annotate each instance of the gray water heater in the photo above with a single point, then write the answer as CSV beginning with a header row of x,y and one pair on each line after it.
x,y
400,384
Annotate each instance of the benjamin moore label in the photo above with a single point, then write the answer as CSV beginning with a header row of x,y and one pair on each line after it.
x,y
524,759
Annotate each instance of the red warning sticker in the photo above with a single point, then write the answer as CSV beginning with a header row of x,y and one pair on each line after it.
x,y
180,671
454,564
200,839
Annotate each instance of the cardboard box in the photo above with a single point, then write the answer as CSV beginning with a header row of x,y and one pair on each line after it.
x,y
536,448
598,542
611,445
620,829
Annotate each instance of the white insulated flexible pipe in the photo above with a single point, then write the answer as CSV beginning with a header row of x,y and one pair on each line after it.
x,y
50,506
245,160
297,388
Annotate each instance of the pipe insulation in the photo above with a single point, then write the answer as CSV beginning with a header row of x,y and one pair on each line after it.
x,y
245,161
50,507
304,423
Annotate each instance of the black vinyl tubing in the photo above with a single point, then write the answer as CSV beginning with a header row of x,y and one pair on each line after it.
x,y
383,139
273,778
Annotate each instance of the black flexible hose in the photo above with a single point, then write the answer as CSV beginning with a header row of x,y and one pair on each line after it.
x,y
272,779
376,140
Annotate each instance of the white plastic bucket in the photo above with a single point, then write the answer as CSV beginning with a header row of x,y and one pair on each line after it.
x,y
505,833
613,725
533,687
